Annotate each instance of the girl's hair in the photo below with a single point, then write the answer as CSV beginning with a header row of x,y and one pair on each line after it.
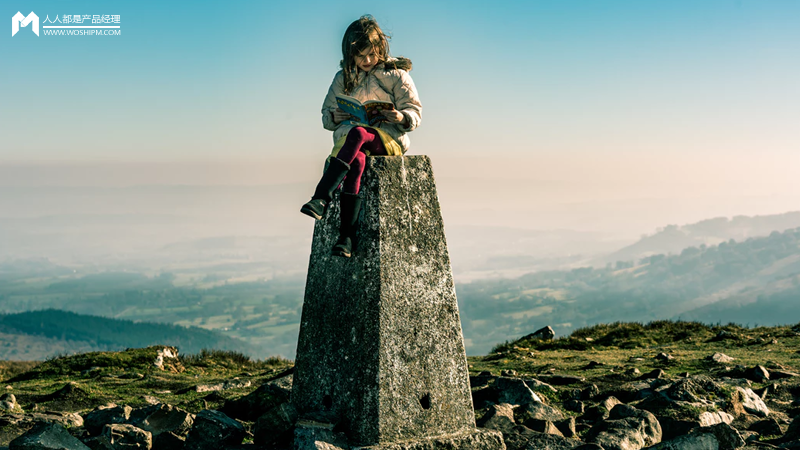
x,y
362,34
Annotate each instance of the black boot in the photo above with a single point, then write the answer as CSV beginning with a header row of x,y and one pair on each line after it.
x,y
331,179
351,207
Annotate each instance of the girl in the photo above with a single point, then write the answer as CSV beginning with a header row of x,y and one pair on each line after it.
x,y
368,73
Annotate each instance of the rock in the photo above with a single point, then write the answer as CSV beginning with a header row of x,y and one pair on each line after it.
x,y
609,403
508,373
318,436
163,354
498,417
515,392
106,414
589,392
653,374
484,396
627,428
539,386
574,406
544,441
167,419
727,436
768,427
223,386
169,441
758,374
267,396
150,400
567,427
633,372
47,436
781,374
663,357
709,418
276,425
720,358
696,441
213,429
543,426
9,403
752,403
536,412
543,334
125,436
98,443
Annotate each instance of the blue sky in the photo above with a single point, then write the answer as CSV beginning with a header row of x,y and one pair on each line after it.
x,y
245,80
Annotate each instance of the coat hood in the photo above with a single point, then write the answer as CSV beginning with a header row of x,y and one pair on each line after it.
x,y
398,63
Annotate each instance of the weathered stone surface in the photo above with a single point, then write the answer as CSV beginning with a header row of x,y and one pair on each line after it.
x,y
720,358
47,436
309,435
126,436
537,411
106,414
13,426
752,403
567,427
539,386
515,392
380,337
498,417
169,441
212,430
544,334
758,374
167,418
728,437
8,403
267,396
275,425
469,440
627,428
697,441
768,427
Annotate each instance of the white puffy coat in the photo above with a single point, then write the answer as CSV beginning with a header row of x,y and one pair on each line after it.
x,y
385,82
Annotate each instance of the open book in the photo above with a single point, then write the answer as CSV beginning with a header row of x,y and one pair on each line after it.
x,y
367,113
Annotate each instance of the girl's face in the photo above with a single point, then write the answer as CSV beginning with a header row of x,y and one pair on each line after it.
x,y
366,59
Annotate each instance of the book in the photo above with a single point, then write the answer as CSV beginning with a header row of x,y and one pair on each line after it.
x,y
367,113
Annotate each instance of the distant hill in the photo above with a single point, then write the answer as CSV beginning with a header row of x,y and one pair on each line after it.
x,y
37,335
672,239
756,281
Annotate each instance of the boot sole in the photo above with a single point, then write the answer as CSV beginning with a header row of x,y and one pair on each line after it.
x,y
341,253
310,213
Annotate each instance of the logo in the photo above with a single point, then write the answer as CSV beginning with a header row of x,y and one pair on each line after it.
x,y
19,19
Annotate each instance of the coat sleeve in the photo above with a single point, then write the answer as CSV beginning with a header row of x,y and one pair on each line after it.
x,y
406,101
337,87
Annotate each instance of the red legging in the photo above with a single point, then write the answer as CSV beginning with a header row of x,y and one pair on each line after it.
x,y
352,152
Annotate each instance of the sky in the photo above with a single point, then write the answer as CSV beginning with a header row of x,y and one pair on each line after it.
x,y
660,98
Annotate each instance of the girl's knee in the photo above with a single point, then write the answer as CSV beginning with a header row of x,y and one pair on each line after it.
x,y
359,133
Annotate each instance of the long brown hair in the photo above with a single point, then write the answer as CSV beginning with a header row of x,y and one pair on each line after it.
x,y
361,35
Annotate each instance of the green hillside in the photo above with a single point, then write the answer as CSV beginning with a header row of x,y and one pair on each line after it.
x,y
732,281
37,335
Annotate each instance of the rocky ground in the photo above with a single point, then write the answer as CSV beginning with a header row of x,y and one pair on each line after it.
x,y
665,385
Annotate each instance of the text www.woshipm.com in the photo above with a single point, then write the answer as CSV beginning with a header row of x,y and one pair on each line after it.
x,y
82,32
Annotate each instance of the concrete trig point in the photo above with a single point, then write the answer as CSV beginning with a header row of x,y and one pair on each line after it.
x,y
380,351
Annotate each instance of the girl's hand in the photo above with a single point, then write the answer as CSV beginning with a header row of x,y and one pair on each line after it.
x,y
393,116
340,116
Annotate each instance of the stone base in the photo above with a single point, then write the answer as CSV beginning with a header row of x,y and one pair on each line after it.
x,y
311,435
471,440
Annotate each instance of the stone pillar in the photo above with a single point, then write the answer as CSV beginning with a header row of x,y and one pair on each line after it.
x,y
381,353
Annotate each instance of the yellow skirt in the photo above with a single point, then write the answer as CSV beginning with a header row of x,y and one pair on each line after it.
x,y
391,146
